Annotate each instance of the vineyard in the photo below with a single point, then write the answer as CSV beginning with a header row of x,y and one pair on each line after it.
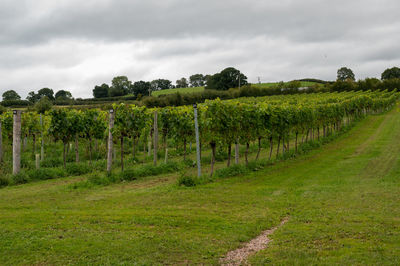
x,y
279,124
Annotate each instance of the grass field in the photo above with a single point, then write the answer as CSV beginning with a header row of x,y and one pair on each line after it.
x,y
342,201
200,89
180,90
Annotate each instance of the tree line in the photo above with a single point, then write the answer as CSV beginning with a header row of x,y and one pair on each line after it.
x,y
228,78
121,85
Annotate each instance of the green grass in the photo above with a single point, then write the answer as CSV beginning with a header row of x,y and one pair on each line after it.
x,y
180,90
342,201
270,84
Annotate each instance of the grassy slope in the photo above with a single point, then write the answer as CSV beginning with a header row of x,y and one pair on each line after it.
x,y
180,90
200,89
342,201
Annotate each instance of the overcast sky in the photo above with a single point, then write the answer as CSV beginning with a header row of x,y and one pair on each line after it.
x,y
75,45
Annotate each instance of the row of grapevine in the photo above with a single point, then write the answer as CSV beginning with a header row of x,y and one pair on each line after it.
x,y
221,123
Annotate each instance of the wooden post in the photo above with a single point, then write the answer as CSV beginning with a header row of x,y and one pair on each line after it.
x,y
155,135
41,136
149,142
236,152
110,142
37,161
196,128
17,142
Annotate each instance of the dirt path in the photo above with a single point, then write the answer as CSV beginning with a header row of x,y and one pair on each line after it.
x,y
240,255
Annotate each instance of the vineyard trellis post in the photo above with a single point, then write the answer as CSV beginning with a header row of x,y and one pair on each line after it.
x,y
41,137
237,152
196,127
155,136
110,142
37,161
16,141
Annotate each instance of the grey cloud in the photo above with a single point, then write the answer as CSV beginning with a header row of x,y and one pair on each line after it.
x,y
124,20
75,45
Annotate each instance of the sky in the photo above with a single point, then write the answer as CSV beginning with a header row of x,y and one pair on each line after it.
x,y
76,45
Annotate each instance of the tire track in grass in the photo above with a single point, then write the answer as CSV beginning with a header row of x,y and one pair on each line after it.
x,y
240,255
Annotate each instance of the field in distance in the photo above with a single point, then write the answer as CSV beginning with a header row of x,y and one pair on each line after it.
x,y
200,89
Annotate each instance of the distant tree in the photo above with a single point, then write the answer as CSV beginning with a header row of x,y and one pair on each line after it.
x,y
49,93
345,73
227,78
294,84
33,97
11,95
141,87
161,84
182,83
391,73
101,91
197,80
43,105
120,86
206,78
64,95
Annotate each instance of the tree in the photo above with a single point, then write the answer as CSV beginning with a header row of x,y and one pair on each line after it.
x,y
141,87
101,91
226,79
120,86
182,83
43,105
33,97
64,95
11,95
391,73
345,73
197,80
46,92
161,84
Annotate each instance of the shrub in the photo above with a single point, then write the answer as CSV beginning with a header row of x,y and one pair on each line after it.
x,y
234,170
20,178
4,181
51,162
187,181
46,173
76,169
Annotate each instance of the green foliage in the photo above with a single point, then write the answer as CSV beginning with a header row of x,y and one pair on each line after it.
x,y
197,80
101,91
161,84
51,162
43,105
391,73
4,181
226,79
46,173
11,95
121,85
345,73
20,178
141,87
46,92
2,109
77,169
63,95
187,181
182,83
